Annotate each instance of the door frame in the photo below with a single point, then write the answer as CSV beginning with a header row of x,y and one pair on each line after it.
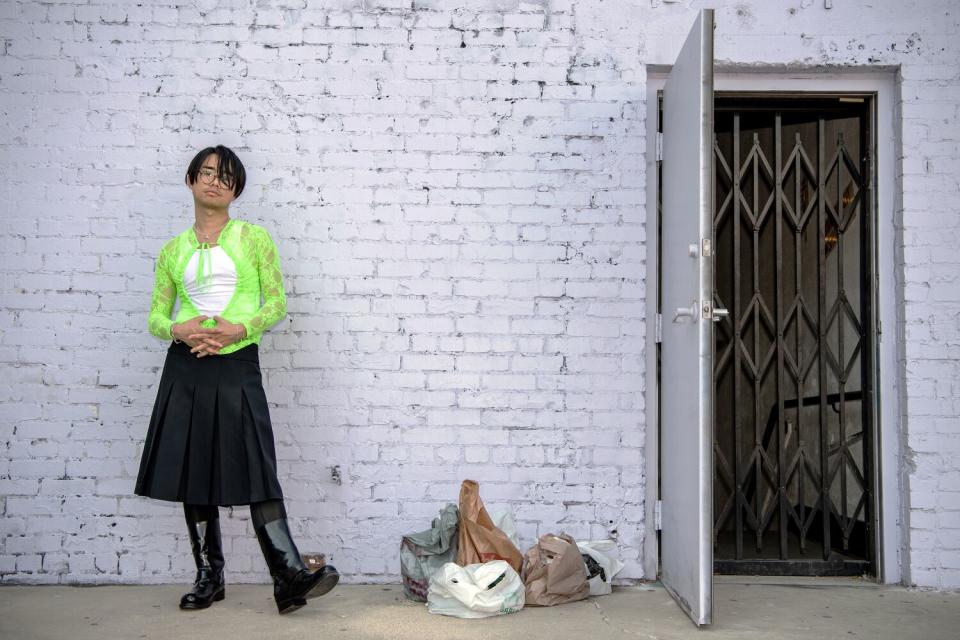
x,y
891,514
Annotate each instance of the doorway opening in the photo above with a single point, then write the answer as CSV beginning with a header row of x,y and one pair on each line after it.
x,y
794,359
793,365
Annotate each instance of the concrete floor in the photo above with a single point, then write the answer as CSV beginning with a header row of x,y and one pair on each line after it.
x,y
744,609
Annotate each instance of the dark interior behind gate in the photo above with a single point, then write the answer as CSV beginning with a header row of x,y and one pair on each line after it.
x,y
793,362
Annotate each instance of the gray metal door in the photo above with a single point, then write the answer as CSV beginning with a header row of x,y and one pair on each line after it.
x,y
686,407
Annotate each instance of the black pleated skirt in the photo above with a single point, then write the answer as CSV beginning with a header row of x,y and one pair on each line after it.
x,y
210,440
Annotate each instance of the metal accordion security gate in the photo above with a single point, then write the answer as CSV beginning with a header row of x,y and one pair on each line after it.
x,y
793,360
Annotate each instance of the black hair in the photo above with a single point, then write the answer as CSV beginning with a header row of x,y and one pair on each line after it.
x,y
229,165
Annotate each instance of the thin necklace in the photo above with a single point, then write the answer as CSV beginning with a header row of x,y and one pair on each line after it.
x,y
206,236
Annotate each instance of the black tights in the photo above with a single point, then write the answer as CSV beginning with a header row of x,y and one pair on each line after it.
x,y
267,511
260,512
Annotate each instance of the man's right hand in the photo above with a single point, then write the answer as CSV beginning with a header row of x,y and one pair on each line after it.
x,y
181,330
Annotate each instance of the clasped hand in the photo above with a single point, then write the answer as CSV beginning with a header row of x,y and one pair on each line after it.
x,y
204,341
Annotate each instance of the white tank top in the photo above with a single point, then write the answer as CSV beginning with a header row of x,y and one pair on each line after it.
x,y
219,281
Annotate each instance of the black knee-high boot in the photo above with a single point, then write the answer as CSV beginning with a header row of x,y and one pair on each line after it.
x,y
293,582
203,523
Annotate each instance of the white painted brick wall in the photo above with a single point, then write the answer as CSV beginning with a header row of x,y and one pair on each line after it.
x,y
457,190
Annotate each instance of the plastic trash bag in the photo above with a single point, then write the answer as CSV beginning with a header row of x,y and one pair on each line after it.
x,y
554,572
475,591
479,540
601,565
503,520
423,554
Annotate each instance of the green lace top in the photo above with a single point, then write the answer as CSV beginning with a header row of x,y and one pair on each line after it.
x,y
257,262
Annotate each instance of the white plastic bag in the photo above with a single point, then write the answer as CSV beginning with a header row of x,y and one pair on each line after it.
x,y
504,521
476,590
601,551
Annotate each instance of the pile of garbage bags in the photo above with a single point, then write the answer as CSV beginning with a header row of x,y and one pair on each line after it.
x,y
468,564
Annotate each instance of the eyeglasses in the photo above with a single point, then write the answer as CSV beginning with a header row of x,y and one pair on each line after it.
x,y
209,176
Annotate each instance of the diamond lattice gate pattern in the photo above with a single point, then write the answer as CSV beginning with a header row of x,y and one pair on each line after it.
x,y
793,491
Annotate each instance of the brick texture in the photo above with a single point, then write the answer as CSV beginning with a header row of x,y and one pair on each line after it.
x,y
458,193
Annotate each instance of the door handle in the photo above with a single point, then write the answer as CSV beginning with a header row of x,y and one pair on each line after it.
x,y
719,314
686,312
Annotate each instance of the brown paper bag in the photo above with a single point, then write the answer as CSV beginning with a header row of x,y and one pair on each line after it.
x,y
478,540
554,572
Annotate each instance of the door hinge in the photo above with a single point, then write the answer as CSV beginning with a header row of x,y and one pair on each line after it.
x,y
658,336
657,507
659,146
